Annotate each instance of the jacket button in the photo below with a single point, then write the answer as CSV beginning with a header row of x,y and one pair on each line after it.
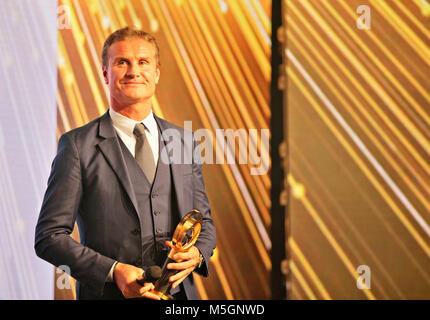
x,y
158,230
139,262
136,232
154,195
156,212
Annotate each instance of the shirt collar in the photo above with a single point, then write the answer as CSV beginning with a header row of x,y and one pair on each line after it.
x,y
127,125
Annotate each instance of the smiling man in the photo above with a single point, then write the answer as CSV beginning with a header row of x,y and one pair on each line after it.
x,y
108,176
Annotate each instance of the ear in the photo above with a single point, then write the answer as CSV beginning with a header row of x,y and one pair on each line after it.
x,y
105,75
157,74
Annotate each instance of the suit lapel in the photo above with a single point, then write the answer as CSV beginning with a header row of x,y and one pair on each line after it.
x,y
111,150
178,180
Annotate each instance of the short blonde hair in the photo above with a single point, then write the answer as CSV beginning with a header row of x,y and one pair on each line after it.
x,y
128,33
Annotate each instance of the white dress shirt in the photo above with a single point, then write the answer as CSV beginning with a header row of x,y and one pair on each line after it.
x,y
124,127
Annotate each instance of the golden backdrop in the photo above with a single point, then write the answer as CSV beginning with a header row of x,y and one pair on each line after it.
x,y
358,106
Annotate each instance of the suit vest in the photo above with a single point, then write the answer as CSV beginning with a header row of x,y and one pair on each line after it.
x,y
157,207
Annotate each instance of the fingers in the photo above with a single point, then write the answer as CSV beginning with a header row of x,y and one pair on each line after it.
x,y
180,276
150,295
182,265
183,256
147,287
191,253
145,291
126,277
134,290
187,261
169,244
139,279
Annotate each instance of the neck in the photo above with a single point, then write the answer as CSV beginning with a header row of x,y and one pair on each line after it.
x,y
136,111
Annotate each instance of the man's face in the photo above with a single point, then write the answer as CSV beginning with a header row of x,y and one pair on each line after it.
x,y
132,71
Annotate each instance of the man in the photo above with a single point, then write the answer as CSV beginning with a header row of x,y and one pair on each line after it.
x,y
110,177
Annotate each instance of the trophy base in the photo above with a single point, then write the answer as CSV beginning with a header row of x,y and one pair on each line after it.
x,y
163,296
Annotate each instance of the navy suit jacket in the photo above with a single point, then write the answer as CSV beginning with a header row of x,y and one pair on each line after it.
x,y
89,183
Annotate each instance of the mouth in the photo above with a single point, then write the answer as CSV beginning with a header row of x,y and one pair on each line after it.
x,y
132,83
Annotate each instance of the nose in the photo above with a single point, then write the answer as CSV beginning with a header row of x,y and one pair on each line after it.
x,y
133,70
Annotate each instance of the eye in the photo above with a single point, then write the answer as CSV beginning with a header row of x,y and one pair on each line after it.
x,y
122,62
143,61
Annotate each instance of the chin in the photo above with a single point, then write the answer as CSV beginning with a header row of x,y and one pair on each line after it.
x,y
135,95
134,98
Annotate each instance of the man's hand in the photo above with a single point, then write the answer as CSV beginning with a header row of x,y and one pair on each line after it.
x,y
186,261
125,276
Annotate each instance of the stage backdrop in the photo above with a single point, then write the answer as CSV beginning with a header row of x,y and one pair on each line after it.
x,y
215,72
28,86
358,114
357,102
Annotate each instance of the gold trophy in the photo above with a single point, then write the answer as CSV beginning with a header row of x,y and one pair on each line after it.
x,y
184,237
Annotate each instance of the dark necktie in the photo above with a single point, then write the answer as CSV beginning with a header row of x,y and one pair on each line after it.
x,y
143,152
